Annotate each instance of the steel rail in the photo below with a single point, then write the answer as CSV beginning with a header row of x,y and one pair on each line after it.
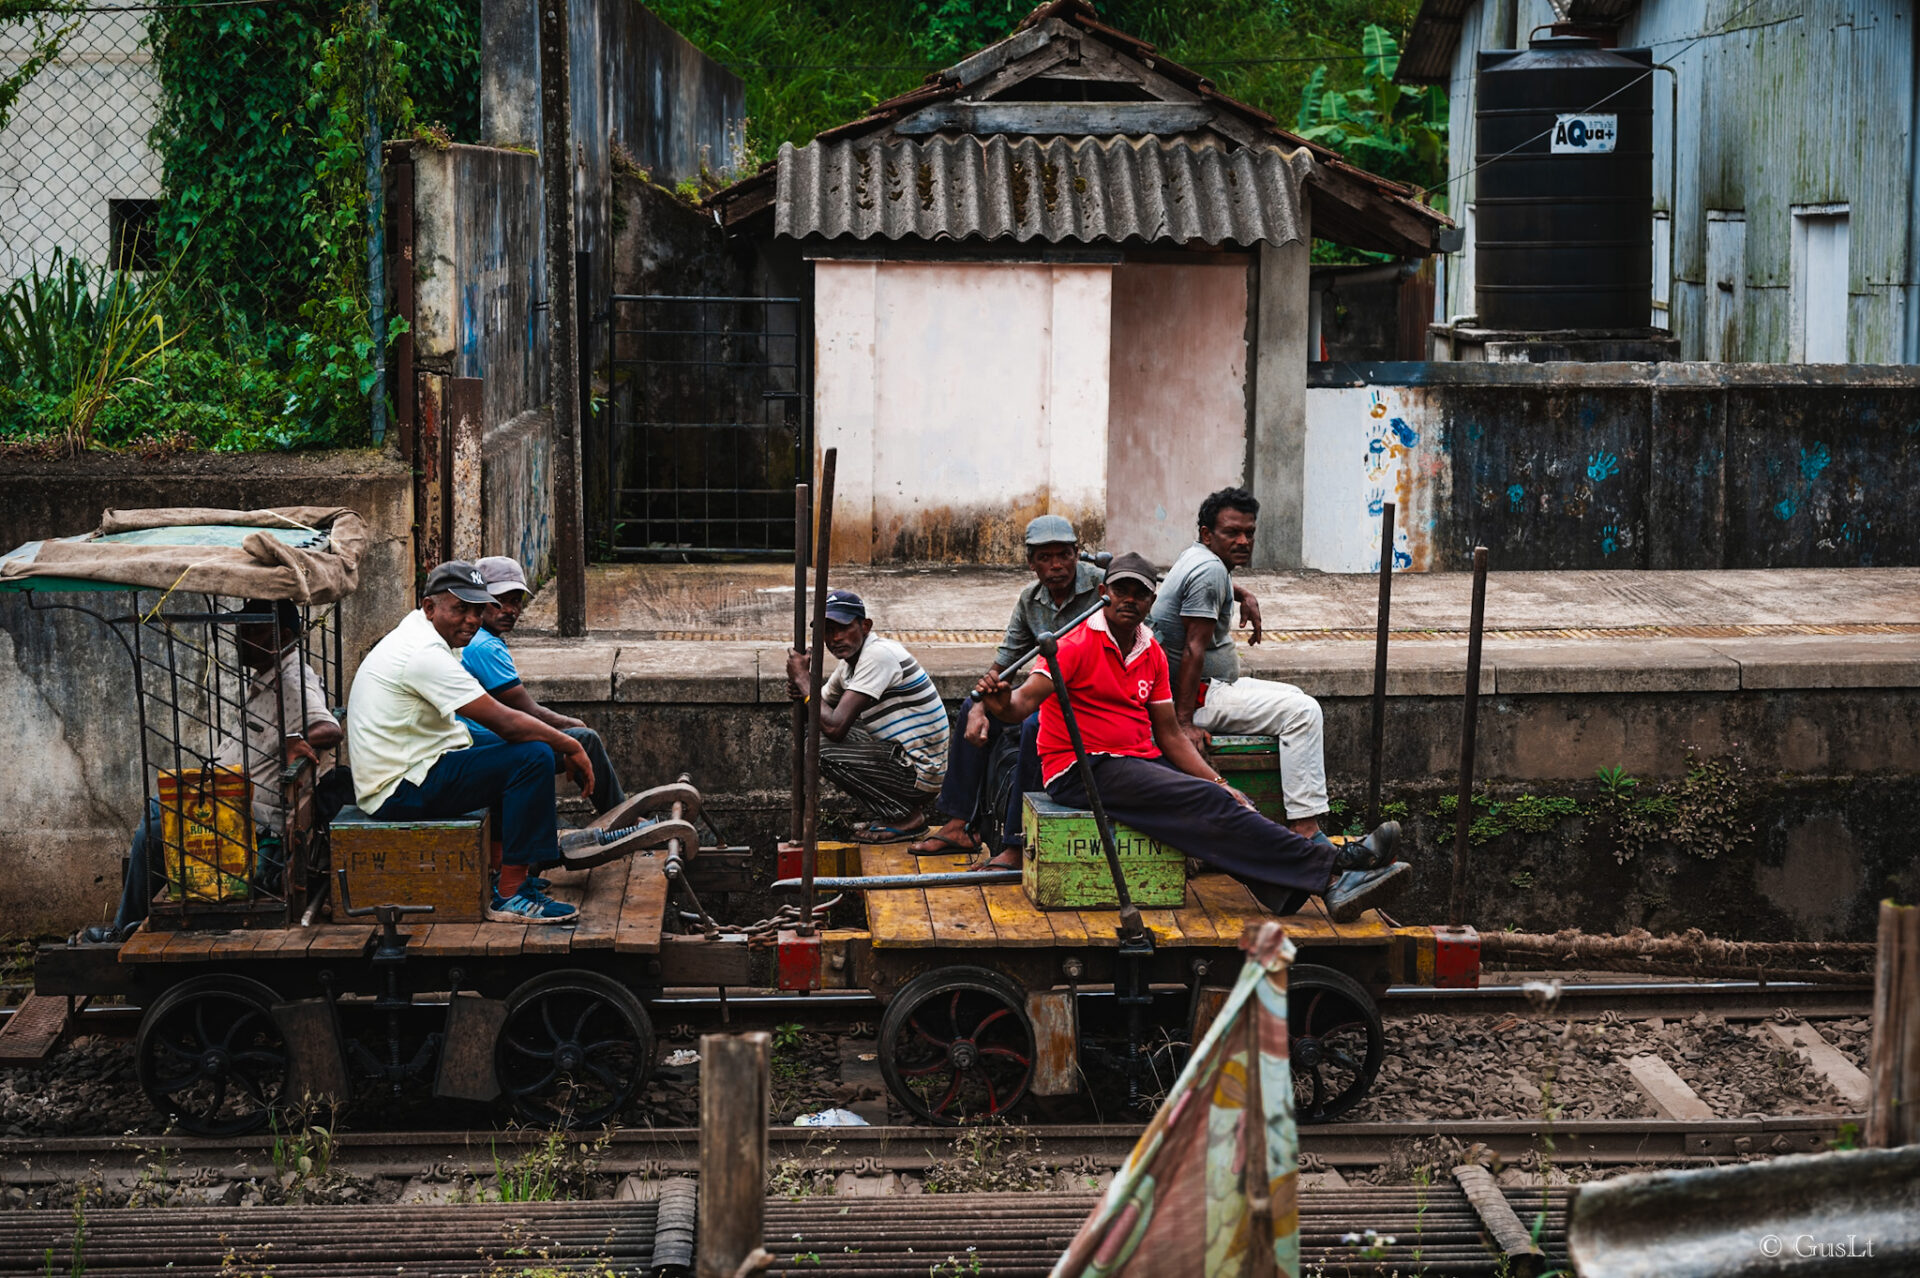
x,y
1591,1000
661,1151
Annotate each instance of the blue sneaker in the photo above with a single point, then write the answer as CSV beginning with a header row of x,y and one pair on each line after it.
x,y
580,849
529,905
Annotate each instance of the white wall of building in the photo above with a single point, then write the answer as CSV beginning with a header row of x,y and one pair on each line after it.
x,y
1366,446
77,139
1177,424
964,399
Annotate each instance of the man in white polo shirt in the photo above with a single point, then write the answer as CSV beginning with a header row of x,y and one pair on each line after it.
x,y
414,760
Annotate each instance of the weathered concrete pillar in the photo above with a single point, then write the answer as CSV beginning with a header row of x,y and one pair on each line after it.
x,y
1277,450
509,73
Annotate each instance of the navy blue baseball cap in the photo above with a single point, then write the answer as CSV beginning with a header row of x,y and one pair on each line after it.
x,y
844,606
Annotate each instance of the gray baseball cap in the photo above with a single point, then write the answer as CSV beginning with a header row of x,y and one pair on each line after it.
x,y
1132,567
460,579
1050,530
502,575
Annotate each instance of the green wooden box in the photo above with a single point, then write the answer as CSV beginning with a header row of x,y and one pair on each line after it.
x,y
1252,764
1065,867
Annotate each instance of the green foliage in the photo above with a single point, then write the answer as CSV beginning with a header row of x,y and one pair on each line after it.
x,y
235,141
1615,783
951,29
812,64
1397,131
360,65
788,1036
441,43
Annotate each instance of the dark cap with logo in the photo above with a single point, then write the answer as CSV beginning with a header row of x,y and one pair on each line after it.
x,y
1131,567
844,606
460,579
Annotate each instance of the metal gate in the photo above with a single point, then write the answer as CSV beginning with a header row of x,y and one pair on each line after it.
x,y
707,424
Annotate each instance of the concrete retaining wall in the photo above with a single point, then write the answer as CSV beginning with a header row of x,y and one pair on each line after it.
x,y
1612,465
1828,735
516,496
70,782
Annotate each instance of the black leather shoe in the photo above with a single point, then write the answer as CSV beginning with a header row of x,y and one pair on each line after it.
x,y
1375,852
1351,895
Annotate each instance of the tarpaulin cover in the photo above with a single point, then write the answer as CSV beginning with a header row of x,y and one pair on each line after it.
x,y
309,554
1213,1186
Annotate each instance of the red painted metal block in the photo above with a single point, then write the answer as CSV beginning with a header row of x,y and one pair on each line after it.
x,y
797,960
788,859
1456,958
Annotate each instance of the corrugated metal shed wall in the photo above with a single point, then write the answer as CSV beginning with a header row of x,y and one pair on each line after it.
x,y
1798,102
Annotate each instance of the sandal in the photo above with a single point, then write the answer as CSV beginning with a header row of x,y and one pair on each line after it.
x,y
994,863
944,845
876,832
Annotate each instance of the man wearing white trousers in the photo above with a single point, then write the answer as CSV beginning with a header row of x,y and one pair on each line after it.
x,y
1193,618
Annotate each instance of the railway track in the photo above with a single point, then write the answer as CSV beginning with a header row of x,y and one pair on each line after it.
x,y
875,1151
1575,999
1432,1231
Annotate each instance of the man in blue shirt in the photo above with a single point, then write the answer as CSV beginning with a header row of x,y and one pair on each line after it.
x,y
488,661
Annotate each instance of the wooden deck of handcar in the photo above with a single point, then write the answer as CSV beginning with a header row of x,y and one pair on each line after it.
x,y
623,907
1217,911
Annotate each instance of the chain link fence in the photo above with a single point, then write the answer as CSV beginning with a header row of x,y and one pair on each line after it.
x,y
197,169
78,174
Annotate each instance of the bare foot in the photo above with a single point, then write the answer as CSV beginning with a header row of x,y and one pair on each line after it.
x,y
1305,827
1005,859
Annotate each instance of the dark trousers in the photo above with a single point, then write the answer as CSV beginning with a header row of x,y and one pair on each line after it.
x,y
606,782
513,780
1202,820
965,790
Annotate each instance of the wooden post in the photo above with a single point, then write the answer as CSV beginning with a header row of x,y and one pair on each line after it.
x,y
556,183
1469,721
1893,1108
733,1149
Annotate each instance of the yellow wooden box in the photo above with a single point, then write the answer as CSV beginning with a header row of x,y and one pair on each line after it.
x,y
206,827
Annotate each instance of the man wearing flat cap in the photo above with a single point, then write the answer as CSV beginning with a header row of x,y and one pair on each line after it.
x,y
1151,776
415,758
1063,588
883,728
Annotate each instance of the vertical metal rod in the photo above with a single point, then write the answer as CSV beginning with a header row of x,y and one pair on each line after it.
x,y
822,555
1129,913
1378,739
802,539
1469,718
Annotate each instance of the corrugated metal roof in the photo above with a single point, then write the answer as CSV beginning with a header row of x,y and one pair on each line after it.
x,y
1428,55
1056,189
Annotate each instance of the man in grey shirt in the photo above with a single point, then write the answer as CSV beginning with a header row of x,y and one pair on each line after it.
x,y
1193,619
1062,589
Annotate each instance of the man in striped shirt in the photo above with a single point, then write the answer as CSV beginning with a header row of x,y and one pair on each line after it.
x,y
884,731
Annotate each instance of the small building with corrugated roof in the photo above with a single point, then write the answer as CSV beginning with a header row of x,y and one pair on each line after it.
x,y
1062,275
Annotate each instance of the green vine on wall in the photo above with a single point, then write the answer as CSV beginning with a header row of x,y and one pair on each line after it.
x,y
360,65
50,25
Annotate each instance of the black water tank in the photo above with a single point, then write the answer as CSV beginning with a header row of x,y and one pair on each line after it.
x,y
1563,216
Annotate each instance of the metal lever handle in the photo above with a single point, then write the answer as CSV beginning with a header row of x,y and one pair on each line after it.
x,y
346,904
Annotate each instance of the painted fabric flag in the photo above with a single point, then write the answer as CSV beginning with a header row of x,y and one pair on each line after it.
x,y
1212,1189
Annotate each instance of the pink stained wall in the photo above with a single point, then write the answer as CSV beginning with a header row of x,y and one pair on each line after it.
x,y
1177,409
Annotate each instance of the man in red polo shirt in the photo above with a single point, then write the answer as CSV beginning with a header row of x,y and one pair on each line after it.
x,y
1151,777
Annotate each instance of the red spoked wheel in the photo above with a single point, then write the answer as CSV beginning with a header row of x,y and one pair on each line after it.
x,y
956,1046
1335,1042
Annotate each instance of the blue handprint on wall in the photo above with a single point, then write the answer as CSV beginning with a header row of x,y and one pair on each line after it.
x,y
1602,465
